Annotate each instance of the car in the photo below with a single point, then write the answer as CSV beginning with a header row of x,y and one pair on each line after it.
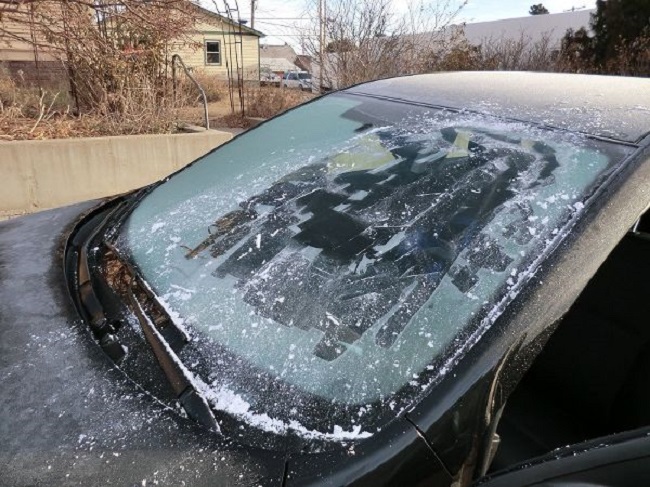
x,y
297,79
269,78
444,281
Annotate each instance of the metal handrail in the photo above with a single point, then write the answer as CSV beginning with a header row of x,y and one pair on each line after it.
x,y
175,58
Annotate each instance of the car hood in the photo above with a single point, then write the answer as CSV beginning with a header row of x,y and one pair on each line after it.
x,y
68,415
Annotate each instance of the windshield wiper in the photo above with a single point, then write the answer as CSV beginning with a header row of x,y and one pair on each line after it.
x,y
79,262
180,379
172,333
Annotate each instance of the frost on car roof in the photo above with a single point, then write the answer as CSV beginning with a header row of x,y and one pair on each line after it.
x,y
598,105
355,247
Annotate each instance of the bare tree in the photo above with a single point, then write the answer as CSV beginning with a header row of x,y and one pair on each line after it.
x,y
115,52
517,54
367,39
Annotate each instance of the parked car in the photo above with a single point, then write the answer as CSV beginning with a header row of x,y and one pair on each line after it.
x,y
297,79
269,78
434,280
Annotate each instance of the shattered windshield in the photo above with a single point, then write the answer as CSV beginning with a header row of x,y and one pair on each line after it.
x,y
346,248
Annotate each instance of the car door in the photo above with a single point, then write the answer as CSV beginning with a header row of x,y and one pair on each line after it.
x,y
588,388
290,80
619,460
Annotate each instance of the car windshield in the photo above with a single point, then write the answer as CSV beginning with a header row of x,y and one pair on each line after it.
x,y
304,76
351,249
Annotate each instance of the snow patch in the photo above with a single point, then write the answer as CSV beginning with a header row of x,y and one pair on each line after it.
x,y
228,401
157,226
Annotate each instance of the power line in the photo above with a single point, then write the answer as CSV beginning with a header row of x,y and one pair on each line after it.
x,y
282,34
285,26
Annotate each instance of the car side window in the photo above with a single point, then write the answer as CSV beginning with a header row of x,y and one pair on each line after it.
x,y
592,378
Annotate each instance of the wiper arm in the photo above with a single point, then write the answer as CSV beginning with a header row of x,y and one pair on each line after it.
x,y
227,224
180,379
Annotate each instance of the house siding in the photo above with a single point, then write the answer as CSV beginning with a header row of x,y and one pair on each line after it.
x,y
20,55
34,66
17,45
192,50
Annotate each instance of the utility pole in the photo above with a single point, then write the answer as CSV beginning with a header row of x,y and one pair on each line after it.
x,y
321,42
252,14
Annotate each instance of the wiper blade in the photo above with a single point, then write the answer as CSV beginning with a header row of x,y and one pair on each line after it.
x,y
180,379
172,333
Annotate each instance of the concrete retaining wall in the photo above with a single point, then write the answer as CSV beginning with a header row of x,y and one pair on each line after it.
x,y
37,175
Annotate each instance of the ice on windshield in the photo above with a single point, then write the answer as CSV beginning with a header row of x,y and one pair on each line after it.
x,y
344,247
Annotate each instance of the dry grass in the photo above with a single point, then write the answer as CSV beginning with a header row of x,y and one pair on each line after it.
x,y
233,120
268,101
260,102
263,102
29,113
20,128
216,89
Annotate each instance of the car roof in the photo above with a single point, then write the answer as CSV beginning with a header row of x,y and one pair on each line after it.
x,y
605,106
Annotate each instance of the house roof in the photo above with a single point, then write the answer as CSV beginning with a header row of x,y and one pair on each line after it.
x,y
222,18
304,60
277,64
533,27
277,51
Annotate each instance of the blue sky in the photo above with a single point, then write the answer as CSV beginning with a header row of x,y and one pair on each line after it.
x,y
283,20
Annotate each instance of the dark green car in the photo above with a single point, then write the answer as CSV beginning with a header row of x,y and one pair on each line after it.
x,y
433,280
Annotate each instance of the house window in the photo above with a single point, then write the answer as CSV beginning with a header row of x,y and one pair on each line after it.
x,y
212,52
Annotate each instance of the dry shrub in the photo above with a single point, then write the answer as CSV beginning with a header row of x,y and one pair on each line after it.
x,y
57,127
632,58
268,101
520,54
523,54
118,60
138,112
234,120
7,87
262,102
370,39
215,88
460,57
15,92
121,50
116,54
26,110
